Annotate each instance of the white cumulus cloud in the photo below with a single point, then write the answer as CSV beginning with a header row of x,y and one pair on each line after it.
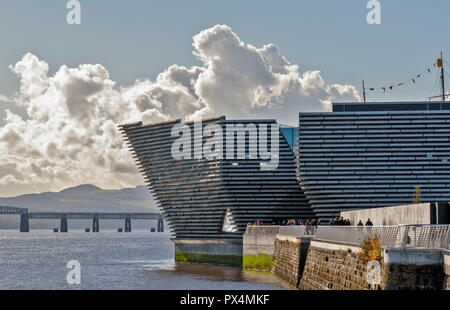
x,y
69,134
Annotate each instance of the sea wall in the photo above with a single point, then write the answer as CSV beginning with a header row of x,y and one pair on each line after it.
x,y
212,251
414,269
447,270
306,262
309,264
289,258
334,267
258,251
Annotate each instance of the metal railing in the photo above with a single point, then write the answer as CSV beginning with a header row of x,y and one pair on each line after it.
x,y
426,236
297,230
291,230
401,236
257,230
354,235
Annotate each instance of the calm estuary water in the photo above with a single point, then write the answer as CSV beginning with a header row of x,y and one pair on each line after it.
x,y
111,260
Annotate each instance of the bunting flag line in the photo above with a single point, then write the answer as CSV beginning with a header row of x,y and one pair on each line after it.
x,y
414,80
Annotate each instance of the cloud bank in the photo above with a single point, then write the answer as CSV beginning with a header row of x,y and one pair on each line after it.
x,y
69,135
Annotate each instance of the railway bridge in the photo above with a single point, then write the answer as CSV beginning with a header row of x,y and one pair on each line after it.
x,y
25,216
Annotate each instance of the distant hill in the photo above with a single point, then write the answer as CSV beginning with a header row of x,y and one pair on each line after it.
x,y
82,198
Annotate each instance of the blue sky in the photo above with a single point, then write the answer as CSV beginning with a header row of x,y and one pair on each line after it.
x,y
136,39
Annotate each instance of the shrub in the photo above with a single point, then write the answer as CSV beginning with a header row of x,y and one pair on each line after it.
x,y
370,249
417,194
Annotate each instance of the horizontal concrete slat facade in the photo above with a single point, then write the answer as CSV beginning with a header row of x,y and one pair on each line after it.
x,y
356,160
195,194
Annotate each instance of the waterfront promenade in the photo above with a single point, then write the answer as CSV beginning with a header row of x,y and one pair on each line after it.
x,y
333,257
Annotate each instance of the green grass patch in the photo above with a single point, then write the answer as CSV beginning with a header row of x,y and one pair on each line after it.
x,y
257,262
229,260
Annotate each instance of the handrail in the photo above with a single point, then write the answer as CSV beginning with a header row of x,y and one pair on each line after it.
x,y
400,236
354,235
294,230
262,229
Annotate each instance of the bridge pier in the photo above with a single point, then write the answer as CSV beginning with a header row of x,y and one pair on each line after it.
x,y
95,225
24,223
63,227
127,225
160,224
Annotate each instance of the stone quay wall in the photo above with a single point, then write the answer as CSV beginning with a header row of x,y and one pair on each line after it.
x,y
289,258
306,263
334,267
309,264
414,269
447,270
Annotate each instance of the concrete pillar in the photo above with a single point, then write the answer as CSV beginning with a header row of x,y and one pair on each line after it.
x,y
63,227
95,225
24,223
127,225
160,224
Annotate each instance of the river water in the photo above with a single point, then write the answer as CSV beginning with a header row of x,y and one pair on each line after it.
x,y
112,260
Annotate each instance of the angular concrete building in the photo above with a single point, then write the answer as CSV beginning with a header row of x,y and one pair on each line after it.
x,y
364,155
208,202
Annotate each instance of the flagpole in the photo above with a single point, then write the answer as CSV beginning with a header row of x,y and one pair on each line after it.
x,y
364,91
442,77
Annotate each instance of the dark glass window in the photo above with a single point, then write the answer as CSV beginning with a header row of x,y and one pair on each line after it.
x,y
446,106
373,107
338,108
434,106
